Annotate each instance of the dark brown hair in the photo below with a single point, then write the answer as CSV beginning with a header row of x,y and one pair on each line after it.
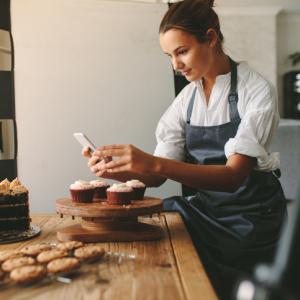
x,y
194,17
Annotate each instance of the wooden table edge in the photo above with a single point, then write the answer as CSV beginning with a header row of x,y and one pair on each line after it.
x,y
195,282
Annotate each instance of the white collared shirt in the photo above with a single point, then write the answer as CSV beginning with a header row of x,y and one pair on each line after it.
x,y
258,111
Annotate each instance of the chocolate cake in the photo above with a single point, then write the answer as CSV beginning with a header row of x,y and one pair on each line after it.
x,y
14,207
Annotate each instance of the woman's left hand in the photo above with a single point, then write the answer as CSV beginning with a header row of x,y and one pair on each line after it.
x,y
127,158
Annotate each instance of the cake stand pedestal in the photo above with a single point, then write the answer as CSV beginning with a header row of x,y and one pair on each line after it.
x,y
101,222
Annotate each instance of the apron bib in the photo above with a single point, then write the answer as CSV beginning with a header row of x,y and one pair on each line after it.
x,y
231,231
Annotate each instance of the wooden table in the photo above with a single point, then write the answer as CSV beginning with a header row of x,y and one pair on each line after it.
x,y
164,269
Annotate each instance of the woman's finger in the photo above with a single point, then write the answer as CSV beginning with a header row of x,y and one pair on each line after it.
x,y
86,152
99,173
109,147
123,168
107,159
100,166
93,160
117,162
111,152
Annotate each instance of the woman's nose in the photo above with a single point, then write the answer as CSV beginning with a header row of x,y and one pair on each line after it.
x,y
177,64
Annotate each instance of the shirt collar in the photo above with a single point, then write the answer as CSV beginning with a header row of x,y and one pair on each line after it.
x,y
243,69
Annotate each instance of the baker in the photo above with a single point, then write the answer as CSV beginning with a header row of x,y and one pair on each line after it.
x,y
215,138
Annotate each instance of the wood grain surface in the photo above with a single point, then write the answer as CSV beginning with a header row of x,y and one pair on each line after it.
x,y
165,269
102,209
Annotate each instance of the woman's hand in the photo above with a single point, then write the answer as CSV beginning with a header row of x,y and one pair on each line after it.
x,y
128,158
129,162
96,164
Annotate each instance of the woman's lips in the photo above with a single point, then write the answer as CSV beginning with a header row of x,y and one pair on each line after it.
x,y
186,72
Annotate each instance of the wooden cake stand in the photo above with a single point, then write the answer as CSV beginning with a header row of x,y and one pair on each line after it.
x,y
101,222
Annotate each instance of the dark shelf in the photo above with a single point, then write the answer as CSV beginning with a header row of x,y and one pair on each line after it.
x,y
4,14
6,95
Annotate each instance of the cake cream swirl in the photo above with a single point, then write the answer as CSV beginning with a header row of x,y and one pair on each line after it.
x,y
81,185
120,187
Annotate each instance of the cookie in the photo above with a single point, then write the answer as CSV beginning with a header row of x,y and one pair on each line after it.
x,y
7,254
34,250
89,252
63,265
17,262
46,256
67,246
28,274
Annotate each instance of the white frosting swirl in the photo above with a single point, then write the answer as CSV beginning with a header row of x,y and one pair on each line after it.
x,y
81,185
120,187
135,183
99,183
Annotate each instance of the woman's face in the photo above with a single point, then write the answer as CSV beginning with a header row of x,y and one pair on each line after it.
x,y
190,57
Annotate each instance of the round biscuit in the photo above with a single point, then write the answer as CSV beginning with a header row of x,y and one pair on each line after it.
x,y
17,262
36,249
71,245
46,256
65,264
89,252
28,274
7,254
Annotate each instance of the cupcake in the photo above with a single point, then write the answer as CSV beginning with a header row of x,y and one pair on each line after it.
x,y
138,189
119,194
100,188
82,191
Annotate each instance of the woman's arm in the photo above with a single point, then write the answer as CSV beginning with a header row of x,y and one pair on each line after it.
x,y
97,166
214,177
227,178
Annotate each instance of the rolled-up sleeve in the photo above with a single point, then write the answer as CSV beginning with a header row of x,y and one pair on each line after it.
x,y
170,132
257,127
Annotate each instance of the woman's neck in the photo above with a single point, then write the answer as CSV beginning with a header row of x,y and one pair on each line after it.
x,y
220,65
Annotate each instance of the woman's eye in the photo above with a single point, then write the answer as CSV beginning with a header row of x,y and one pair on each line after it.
x,y
181,52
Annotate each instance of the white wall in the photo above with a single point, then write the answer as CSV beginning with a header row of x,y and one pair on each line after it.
x,y
288,37
84,65
251,35
288,4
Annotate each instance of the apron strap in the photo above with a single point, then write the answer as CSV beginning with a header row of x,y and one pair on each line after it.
x,y
232,97
191,105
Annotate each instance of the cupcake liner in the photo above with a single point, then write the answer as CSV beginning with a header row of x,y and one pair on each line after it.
x,y
82,196
100,192
138,193
119,198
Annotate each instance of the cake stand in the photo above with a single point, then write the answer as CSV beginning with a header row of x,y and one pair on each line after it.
x,y
101,222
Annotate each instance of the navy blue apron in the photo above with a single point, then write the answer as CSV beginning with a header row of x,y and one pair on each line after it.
x,y
232,231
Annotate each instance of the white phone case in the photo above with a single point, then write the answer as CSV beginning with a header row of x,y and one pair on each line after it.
x,y
84,141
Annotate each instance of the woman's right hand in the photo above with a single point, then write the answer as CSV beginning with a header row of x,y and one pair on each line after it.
x,y
95,164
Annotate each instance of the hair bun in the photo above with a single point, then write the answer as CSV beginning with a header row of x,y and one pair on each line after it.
x,y
210,3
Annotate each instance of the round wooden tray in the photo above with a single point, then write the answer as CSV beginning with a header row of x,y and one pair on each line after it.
x,y
101,222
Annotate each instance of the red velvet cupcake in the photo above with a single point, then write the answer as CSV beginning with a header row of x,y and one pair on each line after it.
x,y
138,189
100,189
82,191
119,194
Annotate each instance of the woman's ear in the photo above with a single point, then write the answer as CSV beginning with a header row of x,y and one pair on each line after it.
x,y
212,37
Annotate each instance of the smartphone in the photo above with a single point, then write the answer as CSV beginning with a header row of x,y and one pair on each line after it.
x,y
84,141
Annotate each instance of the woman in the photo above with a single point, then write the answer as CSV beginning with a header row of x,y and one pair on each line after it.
x,y
214,138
